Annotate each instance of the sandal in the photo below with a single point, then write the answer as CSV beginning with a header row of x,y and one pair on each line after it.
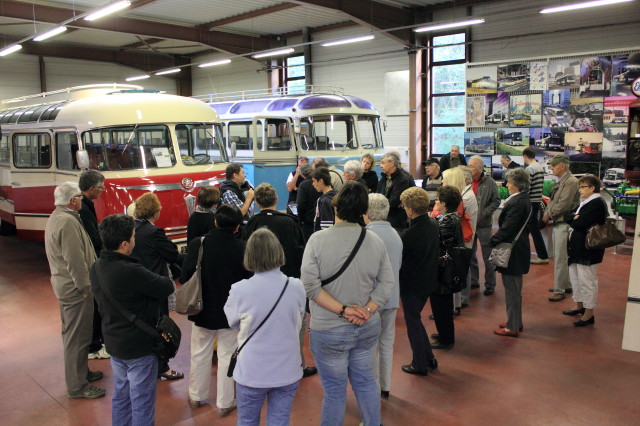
x,y
171,375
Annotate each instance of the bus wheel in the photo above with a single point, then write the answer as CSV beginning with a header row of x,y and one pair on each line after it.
x,y
7,228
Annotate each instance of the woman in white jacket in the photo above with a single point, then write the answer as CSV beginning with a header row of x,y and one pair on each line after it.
x,y
269,365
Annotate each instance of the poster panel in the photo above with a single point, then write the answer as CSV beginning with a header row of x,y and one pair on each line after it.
x,y
586,115
616,109
595,76
475,111
482,80
512,141
525,110
496,109
583,147
513,77
564,74
614,143
624,69
480,143
539,72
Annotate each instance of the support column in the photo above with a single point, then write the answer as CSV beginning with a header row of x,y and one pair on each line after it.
x,y
184,81
306,38
418,134
43,74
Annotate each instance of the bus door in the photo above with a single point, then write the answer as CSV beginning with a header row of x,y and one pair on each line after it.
x,y
33,179
275,154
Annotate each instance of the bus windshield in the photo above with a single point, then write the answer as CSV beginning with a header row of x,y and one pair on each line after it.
x,y
369,129
129,147
327,132
200,144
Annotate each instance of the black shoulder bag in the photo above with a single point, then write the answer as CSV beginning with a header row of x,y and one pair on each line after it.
x,y
166,334
349,259
234,356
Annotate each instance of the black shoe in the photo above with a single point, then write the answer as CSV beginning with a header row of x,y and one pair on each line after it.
x,y
309,371
456,312
92,376
411,370
440,345
431,317
474,286
464,305
574,312
567,291
581,323
488,292
432,364
435,336
384,394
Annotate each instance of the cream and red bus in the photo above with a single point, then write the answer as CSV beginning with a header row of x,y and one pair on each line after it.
x,y
141,141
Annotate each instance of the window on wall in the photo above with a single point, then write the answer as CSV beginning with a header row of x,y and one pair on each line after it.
x,y
447,92
295,75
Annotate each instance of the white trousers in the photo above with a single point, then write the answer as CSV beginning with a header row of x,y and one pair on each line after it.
x,y
383,357
584,279
201,358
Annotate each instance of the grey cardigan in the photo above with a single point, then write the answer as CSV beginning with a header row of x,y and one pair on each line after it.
x,y
369,276
564,197
488,201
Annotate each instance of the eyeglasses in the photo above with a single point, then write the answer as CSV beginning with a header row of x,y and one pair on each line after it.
x,y
77,196
585,186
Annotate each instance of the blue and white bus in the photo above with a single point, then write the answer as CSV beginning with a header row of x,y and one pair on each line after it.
x,y
267,134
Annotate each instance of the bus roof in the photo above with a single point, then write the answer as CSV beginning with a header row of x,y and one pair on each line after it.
x,y
114,109
301,105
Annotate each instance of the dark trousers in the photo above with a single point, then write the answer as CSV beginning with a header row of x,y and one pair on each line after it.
x,y
96,339
442,307
420,345
307,230
534,229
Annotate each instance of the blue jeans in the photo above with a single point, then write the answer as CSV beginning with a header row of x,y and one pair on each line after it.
x,y
279,402
134,395
347,353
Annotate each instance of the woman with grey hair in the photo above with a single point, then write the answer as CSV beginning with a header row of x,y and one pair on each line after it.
x,y
514,216
249,303
376,220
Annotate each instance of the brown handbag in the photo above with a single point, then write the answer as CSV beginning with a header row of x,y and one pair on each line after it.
x,y
604,236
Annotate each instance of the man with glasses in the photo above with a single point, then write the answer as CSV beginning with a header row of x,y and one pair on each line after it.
x,y
564,200
70,255
91,184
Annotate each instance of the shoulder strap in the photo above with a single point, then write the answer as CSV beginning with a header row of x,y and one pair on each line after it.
x,y
200,252
349,259
523,226
265,318
128,315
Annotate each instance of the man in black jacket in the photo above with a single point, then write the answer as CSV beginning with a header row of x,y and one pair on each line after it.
x,y
139,291
452,159
393,182
91,185
306,201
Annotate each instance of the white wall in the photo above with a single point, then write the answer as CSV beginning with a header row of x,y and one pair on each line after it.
x,y
19,76
241,74
362,74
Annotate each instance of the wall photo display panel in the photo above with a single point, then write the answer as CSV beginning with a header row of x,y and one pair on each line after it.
x,y
586,115
624,69
525,110
480,143
539,72
512,141
513,77
547,141
496,109
583,147
595,76
555,108
614,142
475,111
564,73
482,80
616,109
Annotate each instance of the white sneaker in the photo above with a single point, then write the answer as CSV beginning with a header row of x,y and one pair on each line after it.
x,y
101,354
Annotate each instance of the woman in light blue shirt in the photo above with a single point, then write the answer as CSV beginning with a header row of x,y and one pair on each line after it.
x,y
269,365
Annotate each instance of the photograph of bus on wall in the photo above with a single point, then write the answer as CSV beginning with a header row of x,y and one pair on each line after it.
x,y
595,76
555,108
547,142
583,147
481,80
614,142
513,77
564,74
496,109
539,72
525,110
616,110
512,141
480,143
624,69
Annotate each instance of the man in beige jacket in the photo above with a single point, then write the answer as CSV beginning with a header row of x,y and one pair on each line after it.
x,y
564,199
70,255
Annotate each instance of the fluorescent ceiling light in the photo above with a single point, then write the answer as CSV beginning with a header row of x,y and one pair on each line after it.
x,y
51,33
10,49
449,25
108,10
581,5
349,40
273,53
138,77
214,63
171,71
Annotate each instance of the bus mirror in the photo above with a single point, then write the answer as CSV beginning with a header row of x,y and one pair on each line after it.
x,y
384,125
82,158
234,151
296,125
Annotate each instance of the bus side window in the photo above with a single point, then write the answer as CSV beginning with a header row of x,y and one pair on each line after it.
x,y
32,150
4,149
91,141
66,148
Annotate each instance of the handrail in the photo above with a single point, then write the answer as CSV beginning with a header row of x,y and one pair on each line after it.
x,y
68,91
270,93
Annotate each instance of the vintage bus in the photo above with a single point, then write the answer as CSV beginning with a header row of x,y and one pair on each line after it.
x,y
140,140
268,134
513,139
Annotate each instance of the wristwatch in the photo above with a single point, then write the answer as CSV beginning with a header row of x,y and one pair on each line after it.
x,y
341,314
368,309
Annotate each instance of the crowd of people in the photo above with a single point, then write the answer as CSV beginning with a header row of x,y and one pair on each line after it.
x,y
339,269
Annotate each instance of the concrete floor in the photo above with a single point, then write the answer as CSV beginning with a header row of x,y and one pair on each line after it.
x,y
554,374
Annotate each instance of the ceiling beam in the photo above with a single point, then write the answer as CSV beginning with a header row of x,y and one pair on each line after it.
x,y
248,15
143,43
140,3
221,41
313,30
